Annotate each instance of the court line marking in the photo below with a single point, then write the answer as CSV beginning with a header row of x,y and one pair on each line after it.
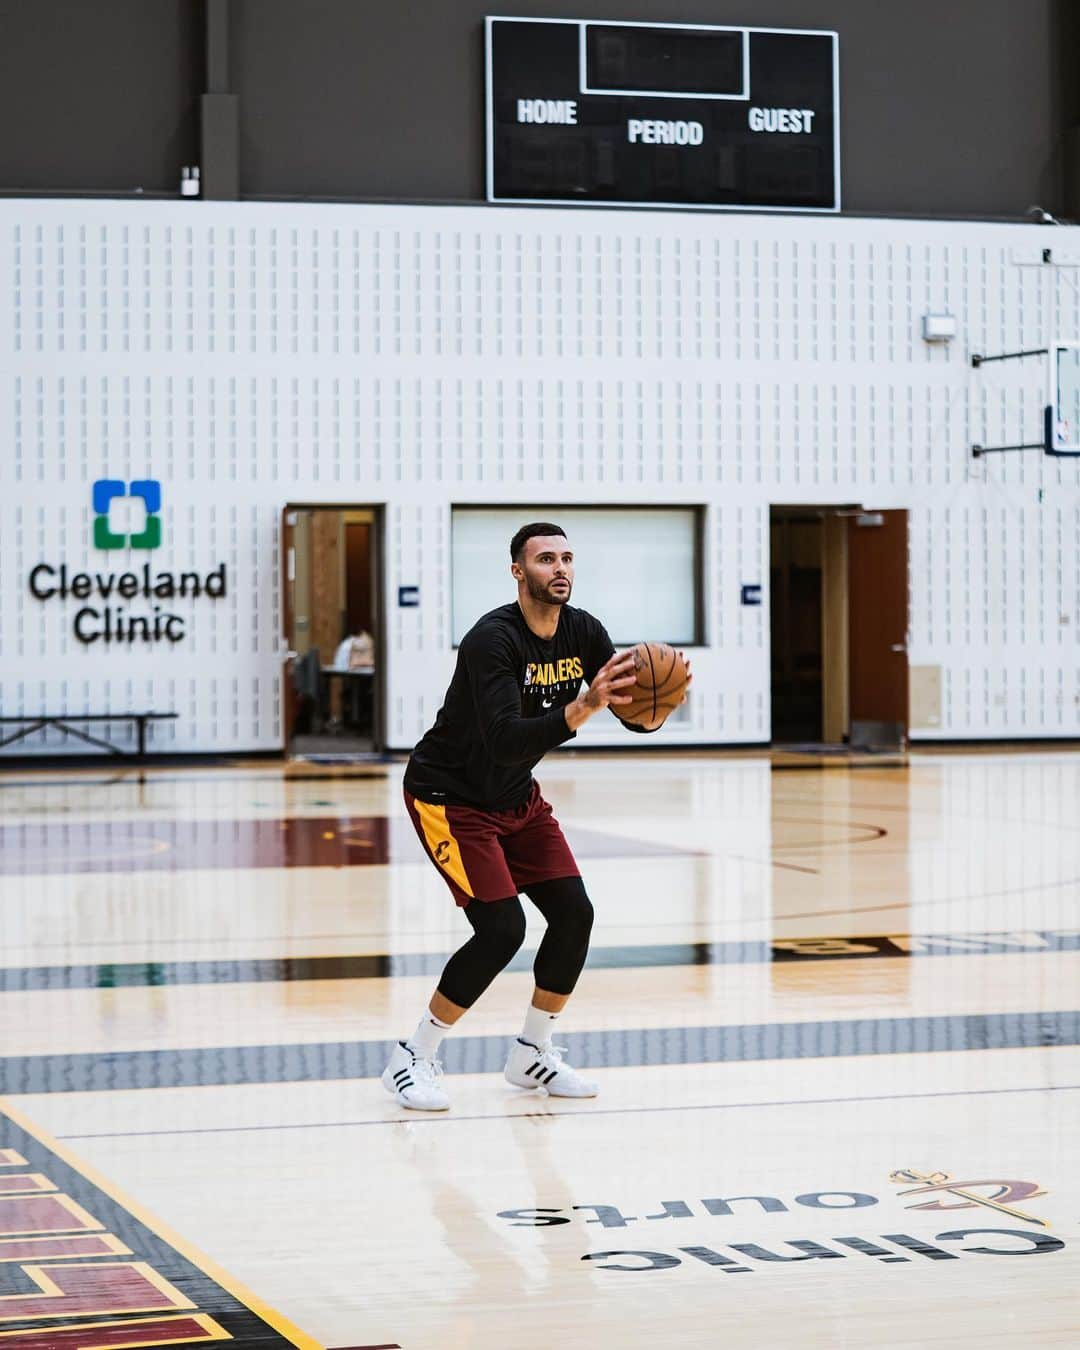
x,y
820,845
92,976
426,1118
203,1264
901,904
934,813
624,1047
274,773
772,862
48,847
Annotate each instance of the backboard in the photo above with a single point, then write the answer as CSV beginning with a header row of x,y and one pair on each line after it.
x,y
1063,399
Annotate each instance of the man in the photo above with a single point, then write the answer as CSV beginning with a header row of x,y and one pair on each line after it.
x,y
469,790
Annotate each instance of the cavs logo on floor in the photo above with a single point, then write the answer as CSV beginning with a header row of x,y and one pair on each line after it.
x,y
999,1195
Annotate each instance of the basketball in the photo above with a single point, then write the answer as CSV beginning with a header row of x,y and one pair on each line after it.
x,y
661,679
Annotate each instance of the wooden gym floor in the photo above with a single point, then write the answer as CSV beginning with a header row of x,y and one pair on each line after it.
x,y
835,1016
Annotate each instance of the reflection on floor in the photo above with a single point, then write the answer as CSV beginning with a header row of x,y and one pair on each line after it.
x,y
834,1017
342,743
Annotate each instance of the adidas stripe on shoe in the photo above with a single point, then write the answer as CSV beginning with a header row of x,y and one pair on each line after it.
x,y
415,1081
542,1066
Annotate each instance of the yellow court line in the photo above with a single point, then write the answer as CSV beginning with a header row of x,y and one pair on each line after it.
x,y
112,1247
48,1288
211,1269
86,1221
42,1186
214,1332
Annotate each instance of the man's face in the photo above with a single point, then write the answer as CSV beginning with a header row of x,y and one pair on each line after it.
x,y
546,569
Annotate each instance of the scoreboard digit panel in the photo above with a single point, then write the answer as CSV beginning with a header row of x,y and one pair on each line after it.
x,y
662,114
628,59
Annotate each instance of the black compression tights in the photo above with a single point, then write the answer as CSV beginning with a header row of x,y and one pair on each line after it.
x,y
499,930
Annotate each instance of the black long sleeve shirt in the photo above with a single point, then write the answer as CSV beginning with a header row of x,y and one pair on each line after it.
x,y
504,708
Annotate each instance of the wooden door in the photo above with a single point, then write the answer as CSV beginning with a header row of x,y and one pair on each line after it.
x,y
877,625
289,698
358,578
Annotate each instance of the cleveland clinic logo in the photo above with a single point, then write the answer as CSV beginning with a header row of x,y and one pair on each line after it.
x,y
108,490
111,617
704,1229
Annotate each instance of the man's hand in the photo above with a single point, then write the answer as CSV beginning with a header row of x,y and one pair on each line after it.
x,y
615,675
689,677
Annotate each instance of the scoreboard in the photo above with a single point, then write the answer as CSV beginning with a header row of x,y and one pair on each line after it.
x,y
658,114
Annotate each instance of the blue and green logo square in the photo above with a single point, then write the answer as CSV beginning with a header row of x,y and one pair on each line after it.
x,y
108,490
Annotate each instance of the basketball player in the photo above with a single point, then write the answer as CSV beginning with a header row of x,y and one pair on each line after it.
x,y
516,693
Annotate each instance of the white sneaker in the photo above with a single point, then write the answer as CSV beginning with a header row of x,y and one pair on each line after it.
x,y
414,1081
533,1066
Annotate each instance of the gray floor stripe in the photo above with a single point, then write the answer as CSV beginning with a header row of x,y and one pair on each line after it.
x,y
145,974
220,1065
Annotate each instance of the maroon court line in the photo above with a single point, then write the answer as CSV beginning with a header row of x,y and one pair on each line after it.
x,y
42,849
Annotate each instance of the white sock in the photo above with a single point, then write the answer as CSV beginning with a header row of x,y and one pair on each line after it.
x,y
538,1026
428,1036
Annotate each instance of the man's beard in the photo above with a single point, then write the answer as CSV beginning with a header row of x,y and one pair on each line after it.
x,y
545,595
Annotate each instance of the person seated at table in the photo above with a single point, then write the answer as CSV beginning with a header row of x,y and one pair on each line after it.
x,y
356,651
355,655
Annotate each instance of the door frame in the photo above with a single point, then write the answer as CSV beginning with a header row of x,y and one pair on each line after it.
x,y
890,682
837,651
287,698
378,563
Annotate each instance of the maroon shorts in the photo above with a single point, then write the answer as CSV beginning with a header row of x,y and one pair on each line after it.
x,y
492,855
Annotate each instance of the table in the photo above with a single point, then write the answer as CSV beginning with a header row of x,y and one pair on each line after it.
x,y
358,683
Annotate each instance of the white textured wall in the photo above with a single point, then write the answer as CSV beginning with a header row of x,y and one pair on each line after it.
x,y
249,355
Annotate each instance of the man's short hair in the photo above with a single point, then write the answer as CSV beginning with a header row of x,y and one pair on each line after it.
x,y
517,544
